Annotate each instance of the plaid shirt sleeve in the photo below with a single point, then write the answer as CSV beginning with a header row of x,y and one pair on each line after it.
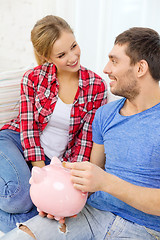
x,y
80,142
29,130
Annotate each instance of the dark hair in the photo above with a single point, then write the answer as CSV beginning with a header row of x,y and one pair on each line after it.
x,y
142,43
44,34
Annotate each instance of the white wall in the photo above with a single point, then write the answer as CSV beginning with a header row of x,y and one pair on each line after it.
x,y
16,21
17,18
103,20
96,24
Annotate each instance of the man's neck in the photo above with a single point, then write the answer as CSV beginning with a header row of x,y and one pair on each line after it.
x,y
144,101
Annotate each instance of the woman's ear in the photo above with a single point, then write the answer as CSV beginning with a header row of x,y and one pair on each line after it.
x,y
49,60
142,68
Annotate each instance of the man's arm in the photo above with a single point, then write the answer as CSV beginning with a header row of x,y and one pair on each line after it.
x,y
97,155
142,198
89,177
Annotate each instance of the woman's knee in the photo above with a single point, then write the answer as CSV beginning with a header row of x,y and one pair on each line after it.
x,y
16,202
14,179
14,187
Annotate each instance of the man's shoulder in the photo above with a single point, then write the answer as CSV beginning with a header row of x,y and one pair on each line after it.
x,y
106,113
110,107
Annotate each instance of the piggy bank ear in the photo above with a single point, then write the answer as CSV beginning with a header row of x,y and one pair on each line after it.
x,y
37,175
56,161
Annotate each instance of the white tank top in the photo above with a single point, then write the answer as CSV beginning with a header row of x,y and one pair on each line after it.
x,y
54,138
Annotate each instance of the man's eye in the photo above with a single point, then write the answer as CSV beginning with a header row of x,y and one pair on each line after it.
x,y
113,61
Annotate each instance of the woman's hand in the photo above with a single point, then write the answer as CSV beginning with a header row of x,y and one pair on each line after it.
x,y
38,164
43,214
61,221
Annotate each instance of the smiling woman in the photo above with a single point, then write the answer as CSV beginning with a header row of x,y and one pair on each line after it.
x,y
66,56
58,102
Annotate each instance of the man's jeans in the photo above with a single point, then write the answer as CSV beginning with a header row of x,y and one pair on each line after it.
x,y
90,224
15,203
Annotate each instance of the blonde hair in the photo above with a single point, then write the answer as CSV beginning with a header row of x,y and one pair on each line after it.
x,y
44,34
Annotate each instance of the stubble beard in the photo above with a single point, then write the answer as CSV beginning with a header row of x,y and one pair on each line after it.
x,y
129,89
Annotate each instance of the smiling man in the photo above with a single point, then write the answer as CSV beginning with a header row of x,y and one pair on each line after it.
x,y
121,73
124,169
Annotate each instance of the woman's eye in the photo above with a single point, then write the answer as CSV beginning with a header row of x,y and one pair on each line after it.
x,y
74,46
60,56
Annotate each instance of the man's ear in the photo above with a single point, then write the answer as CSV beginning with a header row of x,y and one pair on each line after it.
x,y
142,68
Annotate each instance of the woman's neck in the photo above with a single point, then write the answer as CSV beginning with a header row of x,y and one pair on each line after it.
x,y
68,86
67,76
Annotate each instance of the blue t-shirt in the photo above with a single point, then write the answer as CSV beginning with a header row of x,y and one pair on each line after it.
x,y
132,148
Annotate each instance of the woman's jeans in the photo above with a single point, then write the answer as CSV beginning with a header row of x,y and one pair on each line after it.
x,y
90,224
15,202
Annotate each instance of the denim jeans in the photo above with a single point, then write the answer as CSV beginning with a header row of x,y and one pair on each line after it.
x,y
15,202
90,224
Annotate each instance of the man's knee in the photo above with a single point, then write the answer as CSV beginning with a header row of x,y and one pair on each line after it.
x,y
26,230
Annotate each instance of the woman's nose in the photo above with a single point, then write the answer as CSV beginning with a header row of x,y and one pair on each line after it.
x,y
72,57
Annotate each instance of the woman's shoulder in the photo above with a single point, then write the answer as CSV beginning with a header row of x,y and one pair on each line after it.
x,y
86,70
89,76
40,72
41,69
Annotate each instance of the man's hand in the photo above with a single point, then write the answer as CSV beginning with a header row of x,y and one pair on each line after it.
x,y
86,176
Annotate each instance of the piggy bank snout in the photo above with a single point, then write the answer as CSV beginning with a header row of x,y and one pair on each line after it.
x,y
37,175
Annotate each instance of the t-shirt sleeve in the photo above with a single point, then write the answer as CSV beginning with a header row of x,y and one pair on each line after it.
x,y
97,128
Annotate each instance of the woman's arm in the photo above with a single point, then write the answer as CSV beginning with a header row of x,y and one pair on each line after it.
x,y
84,138
29,130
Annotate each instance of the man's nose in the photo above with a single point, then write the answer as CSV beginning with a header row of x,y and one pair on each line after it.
x,y
107,69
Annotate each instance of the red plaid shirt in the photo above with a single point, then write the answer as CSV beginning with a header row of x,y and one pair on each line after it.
x,y
39,93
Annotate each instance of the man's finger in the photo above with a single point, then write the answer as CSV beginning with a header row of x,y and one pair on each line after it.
x,y
75,165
